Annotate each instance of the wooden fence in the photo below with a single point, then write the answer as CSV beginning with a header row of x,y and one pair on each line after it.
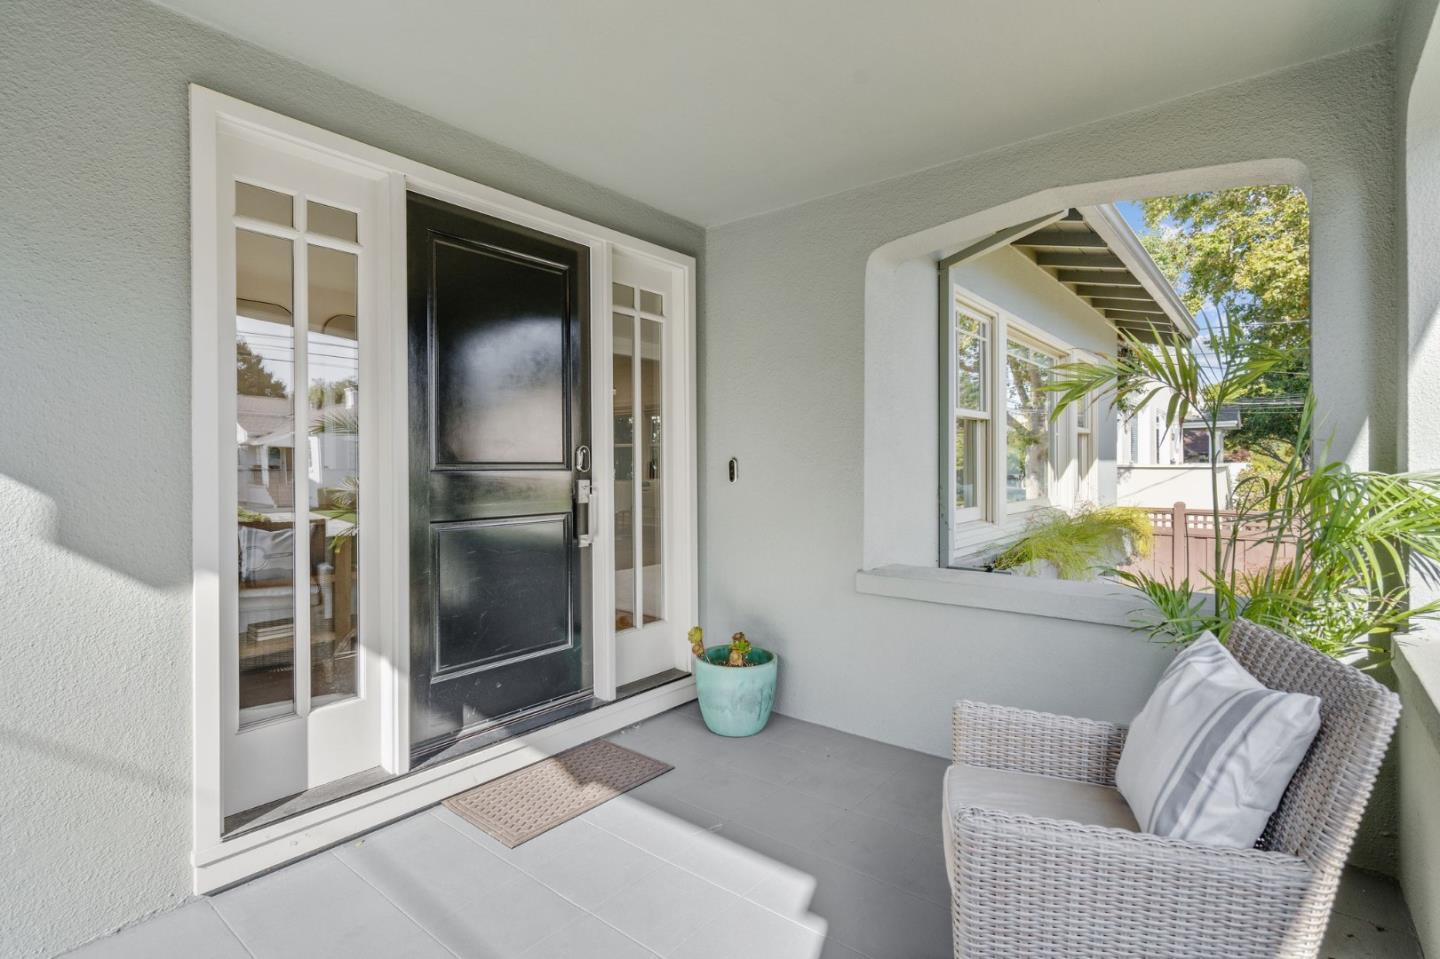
x,y
1185,545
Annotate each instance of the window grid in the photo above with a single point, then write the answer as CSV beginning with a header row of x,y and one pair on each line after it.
x,y
972,519
310,688
639,314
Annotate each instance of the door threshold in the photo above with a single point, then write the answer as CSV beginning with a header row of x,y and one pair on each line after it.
x,y
258,817
278,810
662,678
299,834
525,722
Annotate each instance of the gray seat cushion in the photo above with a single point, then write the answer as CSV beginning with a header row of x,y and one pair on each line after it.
x,y
1029,794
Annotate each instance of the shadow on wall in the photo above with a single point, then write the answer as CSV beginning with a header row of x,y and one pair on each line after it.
x,y
95,722
60,611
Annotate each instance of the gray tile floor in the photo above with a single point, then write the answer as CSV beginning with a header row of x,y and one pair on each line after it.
x,y
799,843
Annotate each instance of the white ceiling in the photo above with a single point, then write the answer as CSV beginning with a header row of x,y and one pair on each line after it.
x,y
715,110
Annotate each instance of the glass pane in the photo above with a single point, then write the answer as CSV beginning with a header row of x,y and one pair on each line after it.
x,y
971,336
333,363
623,295
652,302
341,224
1082,414
623,390
262,204
970,444
265,479
652,475
1028,438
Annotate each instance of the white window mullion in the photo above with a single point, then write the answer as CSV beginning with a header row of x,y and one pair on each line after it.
x,y
639,441
301,461
1000,420
951,517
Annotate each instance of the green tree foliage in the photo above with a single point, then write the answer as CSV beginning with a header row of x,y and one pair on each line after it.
x,y
252,379
1245,253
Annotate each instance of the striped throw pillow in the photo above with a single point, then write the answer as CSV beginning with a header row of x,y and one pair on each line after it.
x,y
1210,755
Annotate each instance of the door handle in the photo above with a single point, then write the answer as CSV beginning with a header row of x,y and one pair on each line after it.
x,y
583,537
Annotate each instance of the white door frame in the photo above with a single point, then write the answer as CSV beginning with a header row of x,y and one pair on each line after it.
x,y
303,747
217,861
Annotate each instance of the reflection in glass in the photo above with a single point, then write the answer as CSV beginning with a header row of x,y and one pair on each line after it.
x,y
623,295
648,444
652,303
259,203
1029,436
265,479
971,338
971,440
330,221
333,362
623,390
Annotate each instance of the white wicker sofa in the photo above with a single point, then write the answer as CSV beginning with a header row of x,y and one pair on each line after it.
x,y
1046,860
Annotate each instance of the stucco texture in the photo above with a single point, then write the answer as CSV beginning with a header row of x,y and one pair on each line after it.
x,y
1417,754
784,368
95,424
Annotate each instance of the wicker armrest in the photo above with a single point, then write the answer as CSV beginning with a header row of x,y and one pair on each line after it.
x,y
1003,737
1066,889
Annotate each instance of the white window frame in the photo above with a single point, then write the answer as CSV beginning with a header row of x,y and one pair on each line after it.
x,y
981,510
218,861
1085,467
963,533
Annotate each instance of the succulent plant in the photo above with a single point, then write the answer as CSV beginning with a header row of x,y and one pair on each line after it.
x,y
738,649
739,646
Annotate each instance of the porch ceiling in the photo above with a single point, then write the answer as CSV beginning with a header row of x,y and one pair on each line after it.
x,y
718,111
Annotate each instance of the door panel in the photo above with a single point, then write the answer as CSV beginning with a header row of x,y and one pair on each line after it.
x,y
488,575
501,338
498,407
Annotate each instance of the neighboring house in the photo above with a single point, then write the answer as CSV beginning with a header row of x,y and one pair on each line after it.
x,y
1146,440
1023,301
1163,465
1197,435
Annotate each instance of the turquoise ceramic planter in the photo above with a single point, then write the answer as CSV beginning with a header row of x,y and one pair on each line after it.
x,y
735,700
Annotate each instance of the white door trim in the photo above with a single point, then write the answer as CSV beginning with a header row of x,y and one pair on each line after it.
x,y
218,862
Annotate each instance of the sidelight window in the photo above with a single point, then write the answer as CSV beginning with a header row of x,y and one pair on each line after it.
x,y
297,437
638,404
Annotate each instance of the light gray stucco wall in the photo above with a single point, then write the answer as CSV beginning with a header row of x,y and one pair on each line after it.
x,y
94,431
1417,93
784,373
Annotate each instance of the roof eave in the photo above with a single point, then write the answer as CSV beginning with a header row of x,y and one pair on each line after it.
x,y
1110,225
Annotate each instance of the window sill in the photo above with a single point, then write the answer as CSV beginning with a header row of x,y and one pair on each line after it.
x,y
1103,603
1417,671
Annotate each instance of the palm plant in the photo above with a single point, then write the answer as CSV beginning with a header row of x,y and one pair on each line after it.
x,y
1357,535
344,501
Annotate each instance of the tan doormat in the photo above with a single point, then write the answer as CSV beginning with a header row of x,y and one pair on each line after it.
x,y
521,805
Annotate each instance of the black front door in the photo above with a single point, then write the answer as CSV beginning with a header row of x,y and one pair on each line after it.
x,y
498,416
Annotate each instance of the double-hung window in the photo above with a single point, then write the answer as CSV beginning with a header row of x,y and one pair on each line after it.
x,y
972,335
1031,441
1003,453
1085,440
